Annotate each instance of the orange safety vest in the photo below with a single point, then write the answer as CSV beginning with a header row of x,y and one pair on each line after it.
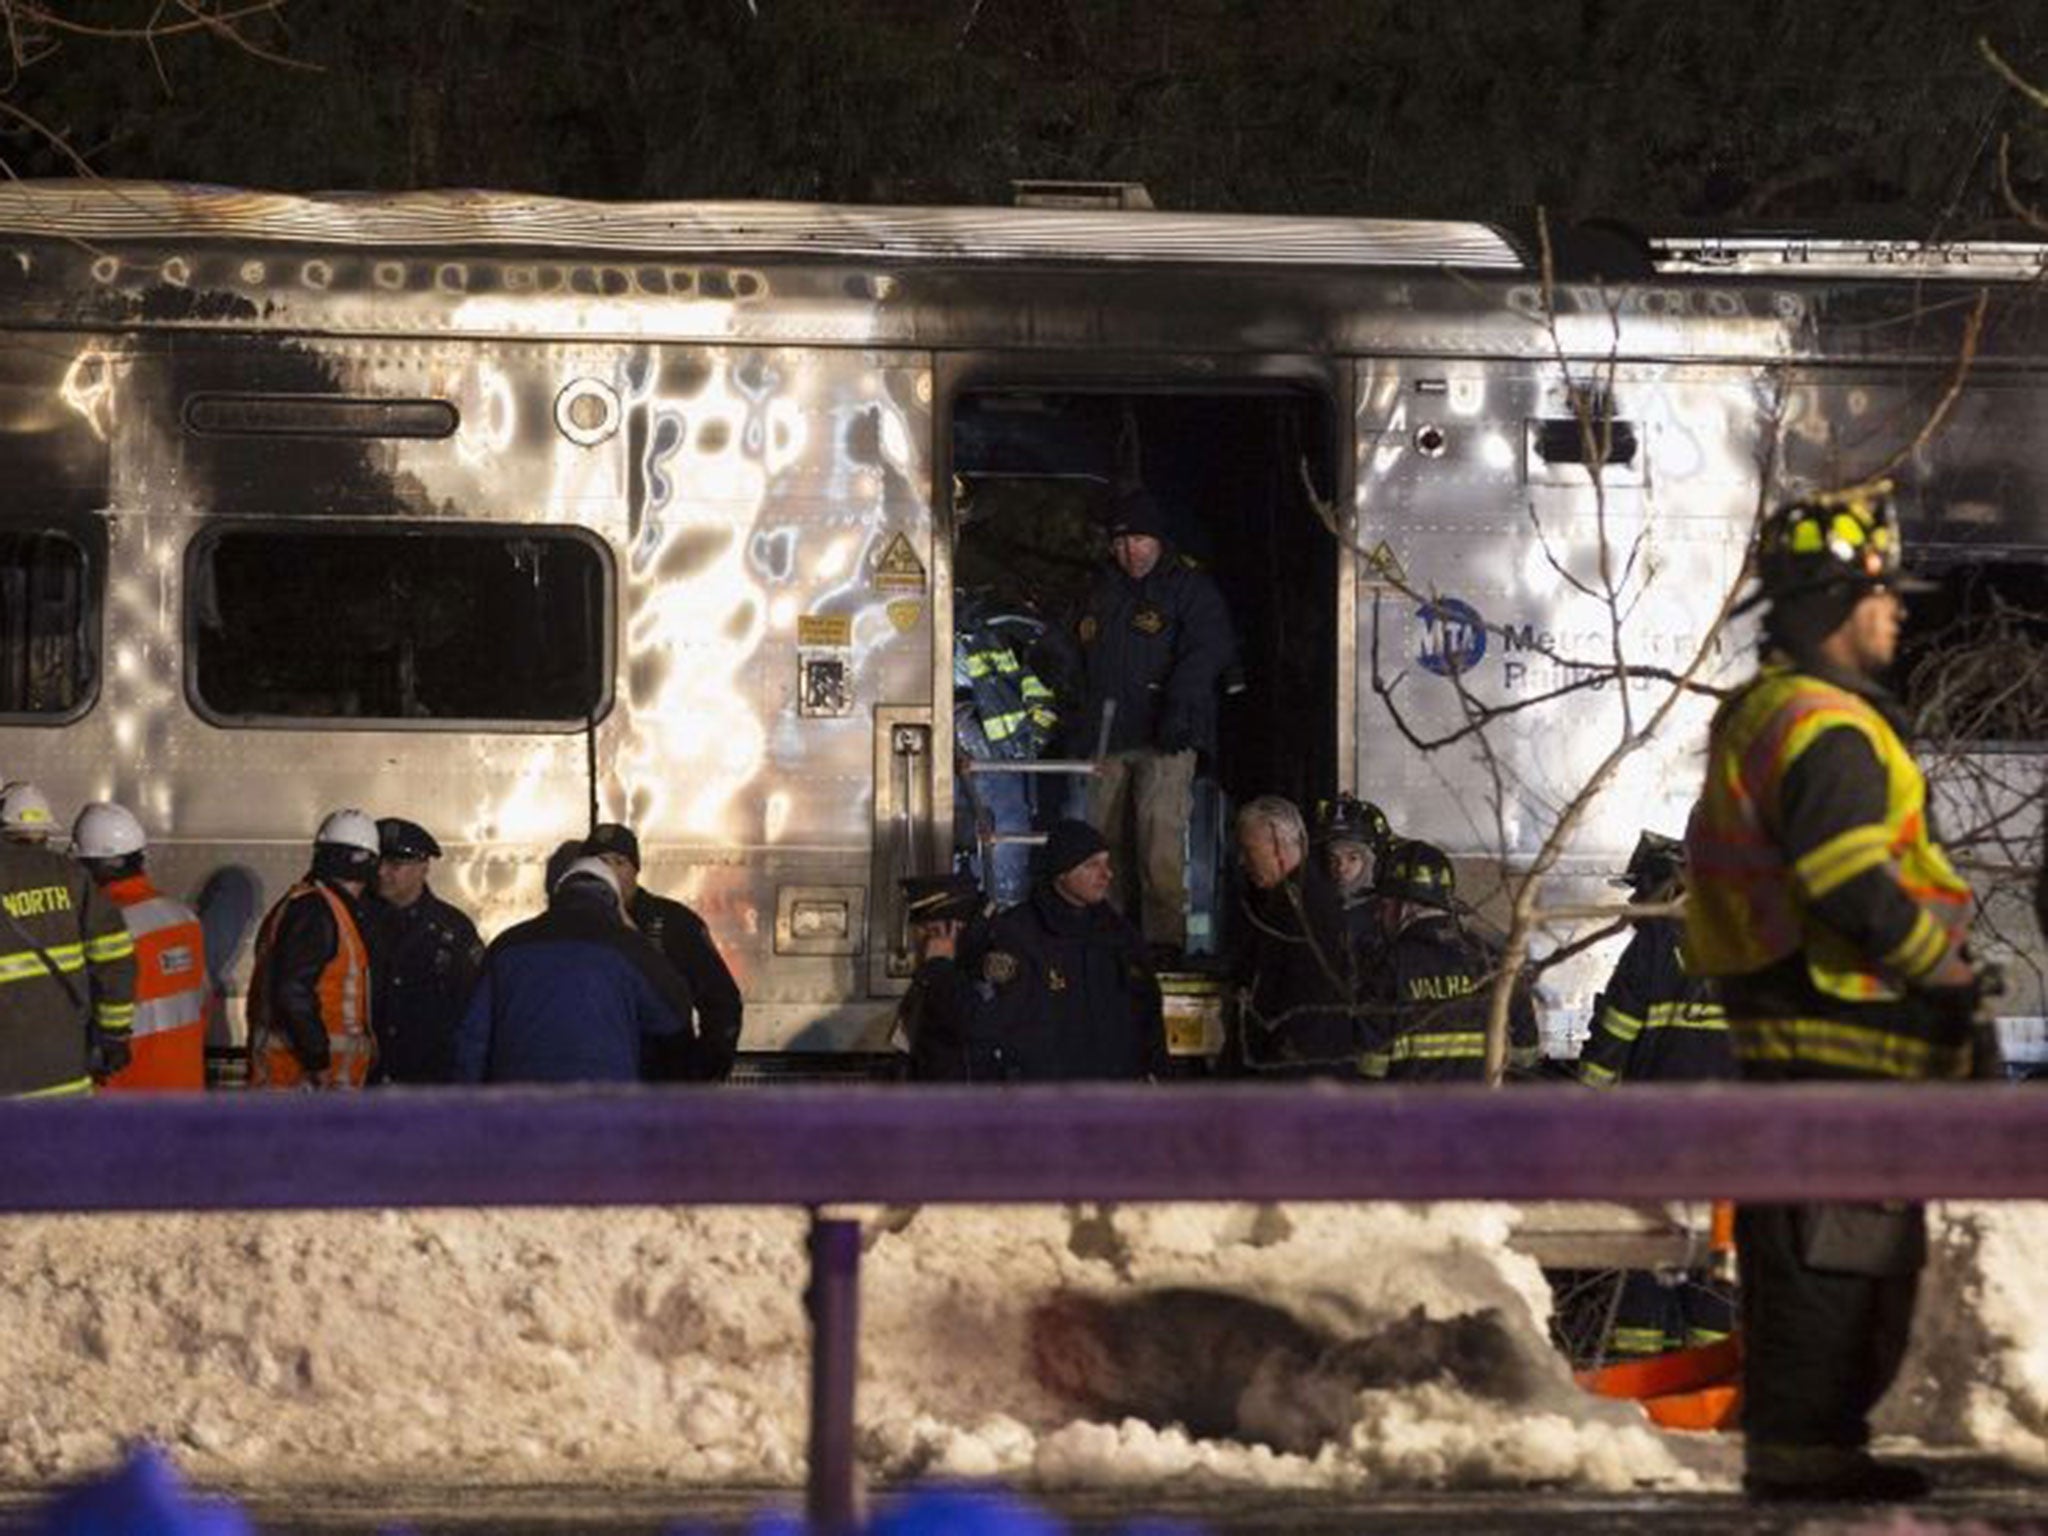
x,y
169,1036
344,993
1747,904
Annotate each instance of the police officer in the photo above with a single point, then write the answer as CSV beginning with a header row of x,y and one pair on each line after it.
x,y
1153,638
1298,983
1066,986
424,958
171,988
67,976
683,939
1436,979
570,996
941,1023
1834,927
309,996
1655,1023
1352,835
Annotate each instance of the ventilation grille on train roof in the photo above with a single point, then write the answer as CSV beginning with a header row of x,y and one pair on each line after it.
x,y
168,213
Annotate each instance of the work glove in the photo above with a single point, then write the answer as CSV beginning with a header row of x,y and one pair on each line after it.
x,y
110,1054
1177,729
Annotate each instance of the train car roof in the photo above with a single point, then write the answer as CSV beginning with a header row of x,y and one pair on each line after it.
x,y
115,211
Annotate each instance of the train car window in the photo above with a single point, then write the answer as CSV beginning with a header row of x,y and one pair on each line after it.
x,y
429,628
49,625
1973,655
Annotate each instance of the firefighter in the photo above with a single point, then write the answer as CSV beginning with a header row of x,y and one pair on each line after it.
x,y
1833,925
1435,981
168,1039
1152,641
1299,1013
1655,1023
941,1023
707,1053
1002,713
424,958
25,815
1067,990
1352,835
67,976
571,996
310,992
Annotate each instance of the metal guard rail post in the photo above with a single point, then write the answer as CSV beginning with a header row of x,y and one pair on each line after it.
x,y
824,1147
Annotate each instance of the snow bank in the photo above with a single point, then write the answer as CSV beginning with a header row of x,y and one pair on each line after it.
x,y
1977,1373
655,1346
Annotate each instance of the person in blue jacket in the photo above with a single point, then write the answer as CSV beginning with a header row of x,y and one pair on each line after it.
x,y
569,996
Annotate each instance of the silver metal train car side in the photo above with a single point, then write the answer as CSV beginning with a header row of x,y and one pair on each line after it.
x,y
493,511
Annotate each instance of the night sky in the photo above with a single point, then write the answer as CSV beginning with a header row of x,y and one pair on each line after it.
x,y
1881,118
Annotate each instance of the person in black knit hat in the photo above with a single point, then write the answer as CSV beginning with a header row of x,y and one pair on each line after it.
x,y
1056,989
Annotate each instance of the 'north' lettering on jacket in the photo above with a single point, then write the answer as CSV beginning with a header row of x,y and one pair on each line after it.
x,y
35,901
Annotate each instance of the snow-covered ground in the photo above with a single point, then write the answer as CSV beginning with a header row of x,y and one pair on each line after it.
x,y
1050,1346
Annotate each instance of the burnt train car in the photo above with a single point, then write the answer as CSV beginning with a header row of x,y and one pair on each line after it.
x,y
505,513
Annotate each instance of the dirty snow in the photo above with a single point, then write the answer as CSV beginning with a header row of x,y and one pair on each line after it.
x,y
646,1347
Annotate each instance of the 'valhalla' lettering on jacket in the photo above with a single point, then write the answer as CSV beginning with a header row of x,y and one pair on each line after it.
x,y
1439,989
36,901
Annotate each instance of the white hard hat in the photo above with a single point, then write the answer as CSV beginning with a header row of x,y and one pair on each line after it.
x,y
105,830
592,867
350,829
24,808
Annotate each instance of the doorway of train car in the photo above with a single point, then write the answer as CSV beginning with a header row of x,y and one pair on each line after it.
x,y
1035,470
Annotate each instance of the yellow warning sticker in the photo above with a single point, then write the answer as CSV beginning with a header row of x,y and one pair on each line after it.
x,y
897,568
1383,564
904,612
834,629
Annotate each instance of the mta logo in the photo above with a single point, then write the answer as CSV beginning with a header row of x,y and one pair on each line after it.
x,y
1453,637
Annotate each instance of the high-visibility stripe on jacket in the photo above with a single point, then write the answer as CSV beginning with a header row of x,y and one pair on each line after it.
x,y
168,1041
344,995
52,905
1748,906
1012,705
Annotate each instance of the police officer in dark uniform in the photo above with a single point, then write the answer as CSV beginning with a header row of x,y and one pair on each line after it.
x,y
1435,979
941,1023
1150,645
685,941
424,958
1066,991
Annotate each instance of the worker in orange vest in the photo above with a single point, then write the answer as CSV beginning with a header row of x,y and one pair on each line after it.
x,y
168,1039
309,999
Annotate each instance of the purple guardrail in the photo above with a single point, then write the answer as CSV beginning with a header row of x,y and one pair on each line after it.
x,y
830,1145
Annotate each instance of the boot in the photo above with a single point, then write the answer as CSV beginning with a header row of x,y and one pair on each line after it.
x,y
1826,1474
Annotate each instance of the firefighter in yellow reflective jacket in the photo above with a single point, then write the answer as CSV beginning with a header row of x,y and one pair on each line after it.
x,y
1833,924
67,976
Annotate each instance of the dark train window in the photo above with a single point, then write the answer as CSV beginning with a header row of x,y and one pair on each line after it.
x,y
422,627
1973,656
49,624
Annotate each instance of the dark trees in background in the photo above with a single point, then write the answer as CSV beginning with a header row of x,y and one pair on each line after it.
x,y
1646,110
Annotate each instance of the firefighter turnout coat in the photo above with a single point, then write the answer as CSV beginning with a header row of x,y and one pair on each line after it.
x,y
169,1038
1817,894
67,969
